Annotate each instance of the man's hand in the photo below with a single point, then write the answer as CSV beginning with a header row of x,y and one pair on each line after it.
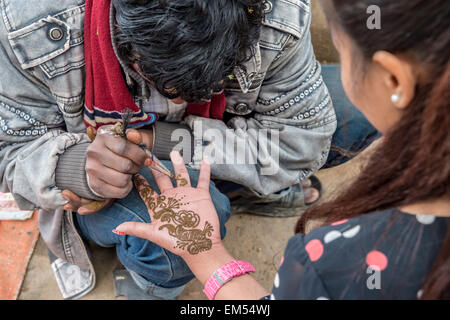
x,y
111,162
81,205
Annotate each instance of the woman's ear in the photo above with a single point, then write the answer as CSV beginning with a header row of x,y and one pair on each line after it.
x,y
398,76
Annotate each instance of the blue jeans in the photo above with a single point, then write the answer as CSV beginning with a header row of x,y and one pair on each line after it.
x,y
162,273
353,134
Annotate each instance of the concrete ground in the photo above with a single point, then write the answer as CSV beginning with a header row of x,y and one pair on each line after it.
x,y
260,240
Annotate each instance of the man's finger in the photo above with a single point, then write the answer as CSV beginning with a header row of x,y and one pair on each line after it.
x,y
69,207
76,203
73,199
108,191
126,149
134,136
136,229
93,206
306,183
115,178
91,132
109,159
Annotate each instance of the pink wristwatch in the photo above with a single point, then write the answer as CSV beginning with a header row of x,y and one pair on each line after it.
x,y
224,274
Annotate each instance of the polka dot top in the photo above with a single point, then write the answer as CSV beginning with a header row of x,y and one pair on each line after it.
x,y
382,255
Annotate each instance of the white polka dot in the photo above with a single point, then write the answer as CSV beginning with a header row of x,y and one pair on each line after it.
x,y
276,282
352,232
272,297
425,218
322,298
331,236
419,294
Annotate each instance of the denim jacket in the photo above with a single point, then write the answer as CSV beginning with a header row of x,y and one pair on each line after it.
x,y
282,115
41,113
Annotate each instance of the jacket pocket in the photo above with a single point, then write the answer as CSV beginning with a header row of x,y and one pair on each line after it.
x,y
51,50
44,42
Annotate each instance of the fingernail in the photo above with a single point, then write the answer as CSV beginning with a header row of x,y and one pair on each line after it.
x,y
176,157
82,211
148,162
206,159
120,233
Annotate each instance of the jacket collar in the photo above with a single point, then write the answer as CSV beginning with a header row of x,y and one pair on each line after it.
x,y
252,67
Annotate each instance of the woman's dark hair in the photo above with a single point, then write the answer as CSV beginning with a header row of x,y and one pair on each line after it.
x,y
413,161
187,47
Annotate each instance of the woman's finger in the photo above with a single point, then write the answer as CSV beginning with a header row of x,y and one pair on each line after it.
x,y
162,181
136,229
181,173
146,192
205,175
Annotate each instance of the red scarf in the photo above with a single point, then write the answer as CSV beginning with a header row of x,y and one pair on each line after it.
x,y
215,108
106,93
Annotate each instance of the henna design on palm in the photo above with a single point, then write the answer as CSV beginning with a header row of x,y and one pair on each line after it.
x,y
181,224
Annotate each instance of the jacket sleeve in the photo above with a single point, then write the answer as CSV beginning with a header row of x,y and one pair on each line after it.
x,y
38,158
42,143
27,169
288,136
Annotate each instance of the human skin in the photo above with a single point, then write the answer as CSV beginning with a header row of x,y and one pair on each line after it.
x,y
371,92
170,203
110,164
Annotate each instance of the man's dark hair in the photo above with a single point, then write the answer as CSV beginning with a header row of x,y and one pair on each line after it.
x,y
187,47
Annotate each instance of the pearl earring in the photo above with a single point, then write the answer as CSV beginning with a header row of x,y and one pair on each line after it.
x,y
395,98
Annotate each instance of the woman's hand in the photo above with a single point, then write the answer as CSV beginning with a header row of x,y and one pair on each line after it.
x,y
184,220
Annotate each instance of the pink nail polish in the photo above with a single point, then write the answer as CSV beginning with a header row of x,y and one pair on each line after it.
x,y
120,233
